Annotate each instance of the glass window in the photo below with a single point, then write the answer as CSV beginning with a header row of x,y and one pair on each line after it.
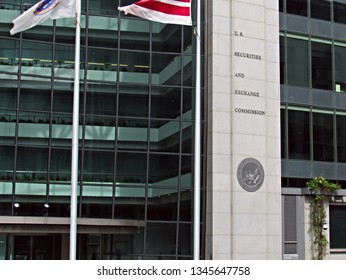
x,y
97,201
340,68
165,102
32,164
98,166
9,53
65,30
134,67
337,221
188,38
297,62
99,132
133,101
129,203
35,96
298,135
64,61
160,238
132,134
102,64
36,55
165,136
167,37
122,246
297,7
166,69
63,97
320,9
282,60
134,34
7,126
185,239
321,65
6,163
341,137
33,128
60,165
281,5
283,132
323,136
104,7
339,11
189,75
101,99
162,204
103,32
163,170
59,198
131,168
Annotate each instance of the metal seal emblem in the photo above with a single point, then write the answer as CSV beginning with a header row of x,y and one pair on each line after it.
x,y
46,6
250,174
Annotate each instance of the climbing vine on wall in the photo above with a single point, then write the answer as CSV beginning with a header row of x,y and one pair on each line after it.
x,y
321,190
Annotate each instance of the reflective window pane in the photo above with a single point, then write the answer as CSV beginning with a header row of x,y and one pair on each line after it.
x,y
298,135
321,65
297,62
337,227
323,137
297,7
341,138
339,11
9,53
320,9
340,68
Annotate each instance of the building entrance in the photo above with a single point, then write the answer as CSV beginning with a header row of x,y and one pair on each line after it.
x,y
30,247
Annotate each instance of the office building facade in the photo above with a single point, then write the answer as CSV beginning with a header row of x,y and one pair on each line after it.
x,y
273,116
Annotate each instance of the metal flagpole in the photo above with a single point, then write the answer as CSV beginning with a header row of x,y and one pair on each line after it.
x,y
197,155
75,139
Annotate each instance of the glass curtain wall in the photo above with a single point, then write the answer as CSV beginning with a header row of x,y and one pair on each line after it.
x,y
328,10
136,124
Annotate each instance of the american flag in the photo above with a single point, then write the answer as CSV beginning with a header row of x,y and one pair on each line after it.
x,y
165,11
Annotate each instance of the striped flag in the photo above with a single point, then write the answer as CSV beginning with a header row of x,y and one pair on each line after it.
x,y
165,11
42,11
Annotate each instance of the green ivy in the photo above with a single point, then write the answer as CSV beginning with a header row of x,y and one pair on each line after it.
x,y
321,190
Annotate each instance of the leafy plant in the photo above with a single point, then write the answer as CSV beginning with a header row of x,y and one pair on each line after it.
x,y
321,190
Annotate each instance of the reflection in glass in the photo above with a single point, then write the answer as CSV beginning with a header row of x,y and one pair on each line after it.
x,y
133,101
298,135
131,168
129,202
339,11
340,68
321,65
160,238
9,53
32,164
320,9
297,62
163,170
297,7
165,136
162,204
341,137
323,137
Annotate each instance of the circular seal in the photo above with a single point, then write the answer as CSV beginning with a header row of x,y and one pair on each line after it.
x,y
250,174
46,6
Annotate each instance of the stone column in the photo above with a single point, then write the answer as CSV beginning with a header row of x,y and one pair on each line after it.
x,y
243,218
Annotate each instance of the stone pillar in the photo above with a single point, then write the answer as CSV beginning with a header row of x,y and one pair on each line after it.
x,y
243,211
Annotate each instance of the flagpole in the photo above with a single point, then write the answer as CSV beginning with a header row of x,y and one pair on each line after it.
x,y
75,138
197,140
